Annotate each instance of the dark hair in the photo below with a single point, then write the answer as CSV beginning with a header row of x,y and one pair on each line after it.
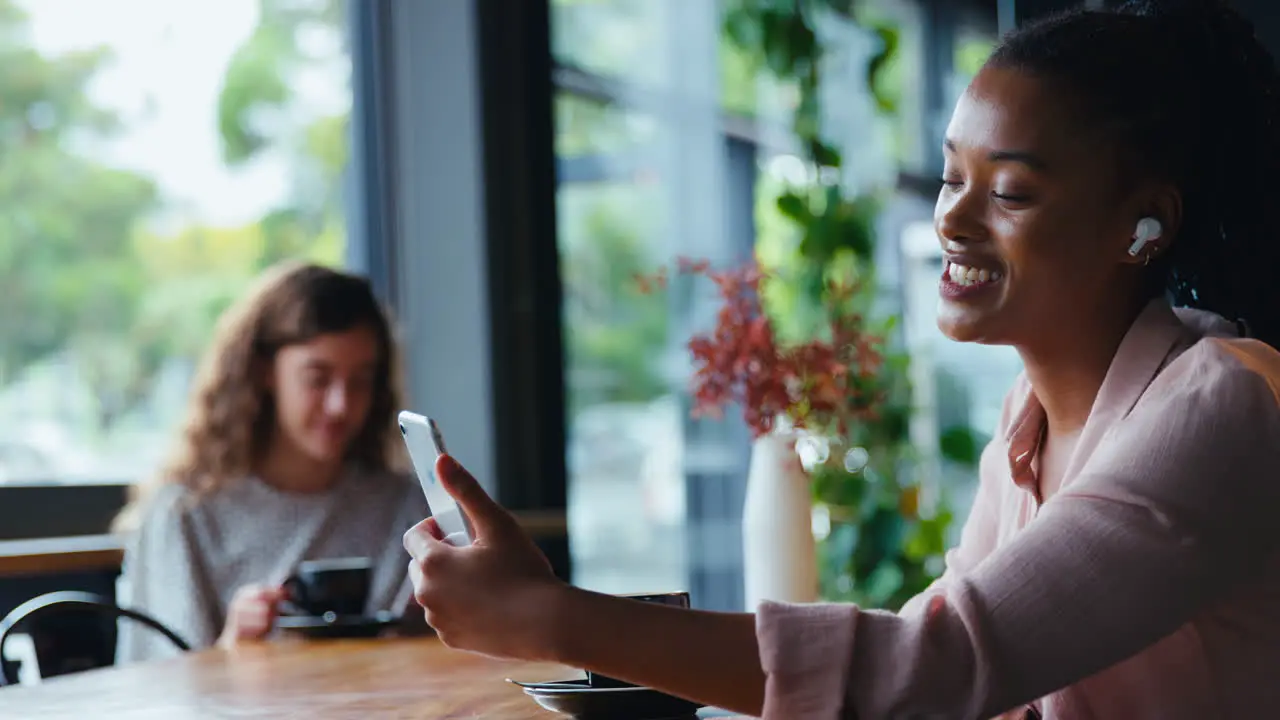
x,y
1186,93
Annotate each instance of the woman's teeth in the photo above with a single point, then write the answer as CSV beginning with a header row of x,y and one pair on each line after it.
x,y
962,275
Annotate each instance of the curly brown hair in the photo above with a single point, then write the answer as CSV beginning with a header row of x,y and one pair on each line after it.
x,y
230,417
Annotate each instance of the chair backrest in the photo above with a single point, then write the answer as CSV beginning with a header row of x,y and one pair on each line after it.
x,y
71,631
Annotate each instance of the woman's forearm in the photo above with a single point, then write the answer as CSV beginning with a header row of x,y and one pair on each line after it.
x,y
704,656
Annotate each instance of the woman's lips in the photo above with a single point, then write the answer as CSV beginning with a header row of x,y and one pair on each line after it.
x,y
961,281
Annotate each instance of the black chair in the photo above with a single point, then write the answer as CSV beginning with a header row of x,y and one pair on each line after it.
x,y
72,631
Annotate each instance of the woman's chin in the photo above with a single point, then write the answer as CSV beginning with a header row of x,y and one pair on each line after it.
x,y
966,328
326,451
957,325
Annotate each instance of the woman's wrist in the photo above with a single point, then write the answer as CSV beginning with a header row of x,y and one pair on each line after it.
x,y
552,633
711,657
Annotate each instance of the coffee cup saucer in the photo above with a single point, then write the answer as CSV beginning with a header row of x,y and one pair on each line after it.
x,y
577,699
333,625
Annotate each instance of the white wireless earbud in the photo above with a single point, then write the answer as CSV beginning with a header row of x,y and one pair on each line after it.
x,y
1148,229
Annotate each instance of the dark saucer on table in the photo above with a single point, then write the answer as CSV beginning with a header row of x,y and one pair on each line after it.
x,y
333,625
581,701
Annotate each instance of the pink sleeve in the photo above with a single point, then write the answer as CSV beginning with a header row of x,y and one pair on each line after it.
x,y
805,651
1174,507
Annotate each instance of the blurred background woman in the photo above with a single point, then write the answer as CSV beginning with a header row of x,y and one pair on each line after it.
x,y
290,452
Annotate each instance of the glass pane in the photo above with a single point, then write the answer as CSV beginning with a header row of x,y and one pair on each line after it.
x,y
610,37
626,494
156,156
642,181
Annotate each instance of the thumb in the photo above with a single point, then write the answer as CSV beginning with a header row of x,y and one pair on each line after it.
x,y
485,514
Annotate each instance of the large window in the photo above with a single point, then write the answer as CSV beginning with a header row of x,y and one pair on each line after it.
x,y
154,156
672,141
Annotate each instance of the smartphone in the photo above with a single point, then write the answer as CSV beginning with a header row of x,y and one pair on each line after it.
x,y
422,437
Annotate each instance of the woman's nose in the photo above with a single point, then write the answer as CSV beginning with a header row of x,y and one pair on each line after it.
x,y
957,216
335,399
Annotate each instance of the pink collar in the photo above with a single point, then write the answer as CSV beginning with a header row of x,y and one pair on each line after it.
x,y
1159,334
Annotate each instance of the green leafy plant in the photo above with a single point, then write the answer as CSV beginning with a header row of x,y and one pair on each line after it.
x,y
887,532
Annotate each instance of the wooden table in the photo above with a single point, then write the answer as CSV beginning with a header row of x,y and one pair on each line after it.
x,y
320,680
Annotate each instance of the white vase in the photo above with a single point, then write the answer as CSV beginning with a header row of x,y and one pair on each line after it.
x,y
780,559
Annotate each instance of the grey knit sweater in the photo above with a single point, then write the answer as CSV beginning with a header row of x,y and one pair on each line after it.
x,y
192,551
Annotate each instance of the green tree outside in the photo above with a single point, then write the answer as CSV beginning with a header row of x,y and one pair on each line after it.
x,y
70,283
86,278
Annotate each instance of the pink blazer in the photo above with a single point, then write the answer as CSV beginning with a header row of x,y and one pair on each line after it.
x,y
1147,588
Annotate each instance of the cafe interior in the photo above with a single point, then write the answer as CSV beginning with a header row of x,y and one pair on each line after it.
x,y
544,197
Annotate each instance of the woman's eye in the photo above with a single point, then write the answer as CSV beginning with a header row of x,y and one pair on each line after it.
x,y
1012,197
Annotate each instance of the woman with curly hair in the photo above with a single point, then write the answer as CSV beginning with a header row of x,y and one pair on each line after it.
x,y
290,452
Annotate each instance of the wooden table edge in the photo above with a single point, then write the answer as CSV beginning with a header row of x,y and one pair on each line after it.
x,y
45,556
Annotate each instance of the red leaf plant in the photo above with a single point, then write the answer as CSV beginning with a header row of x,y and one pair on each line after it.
x,y
825,384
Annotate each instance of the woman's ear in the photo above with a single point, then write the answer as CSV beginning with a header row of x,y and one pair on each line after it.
x,y
1156,225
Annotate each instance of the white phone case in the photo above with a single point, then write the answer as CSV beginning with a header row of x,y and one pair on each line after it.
x,y
425,443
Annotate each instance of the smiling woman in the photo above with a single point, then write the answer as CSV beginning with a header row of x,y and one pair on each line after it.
x,y
1120,560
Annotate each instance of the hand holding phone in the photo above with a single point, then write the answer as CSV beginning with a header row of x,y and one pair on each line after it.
x,y
425,443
